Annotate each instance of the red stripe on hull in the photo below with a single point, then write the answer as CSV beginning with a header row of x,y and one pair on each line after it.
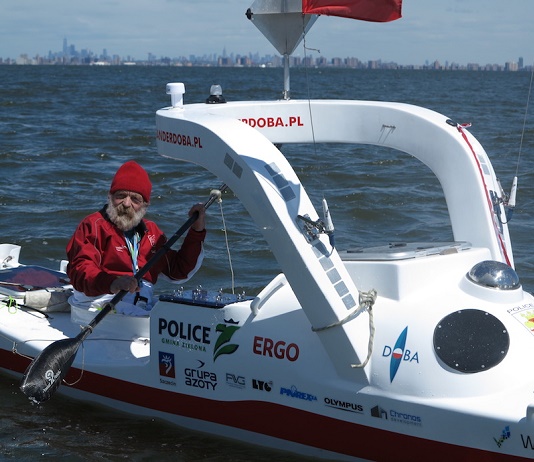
x,y
274,420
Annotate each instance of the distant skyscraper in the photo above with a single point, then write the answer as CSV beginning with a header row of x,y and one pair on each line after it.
x,y
65,47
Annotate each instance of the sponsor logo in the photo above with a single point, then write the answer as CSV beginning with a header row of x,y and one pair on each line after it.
x,y
515,309
398,354
294,393
179,139
273,122
281,350
184,335
166,365
396,416
199,378
236,381
403,417
167,370
261,385
222,345
525,315
380,413
527,441
343,405
51,378
152,239
505,434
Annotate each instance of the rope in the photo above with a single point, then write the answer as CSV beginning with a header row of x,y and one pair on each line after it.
x,y
81,370
227,245
524,122
371,337
10,303
308,84
367,301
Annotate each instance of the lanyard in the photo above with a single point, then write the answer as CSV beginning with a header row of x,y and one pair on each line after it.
x,y
132,241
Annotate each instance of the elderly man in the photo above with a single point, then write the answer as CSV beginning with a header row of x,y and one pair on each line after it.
x,y
111,245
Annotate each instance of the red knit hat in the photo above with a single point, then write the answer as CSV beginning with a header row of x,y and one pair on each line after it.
x,y
132,177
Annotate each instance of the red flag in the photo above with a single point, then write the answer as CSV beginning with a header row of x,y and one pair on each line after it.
x,y
366,10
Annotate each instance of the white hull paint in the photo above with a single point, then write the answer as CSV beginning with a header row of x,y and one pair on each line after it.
x,y
450,332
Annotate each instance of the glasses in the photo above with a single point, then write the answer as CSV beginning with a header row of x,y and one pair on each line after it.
x,y
136,199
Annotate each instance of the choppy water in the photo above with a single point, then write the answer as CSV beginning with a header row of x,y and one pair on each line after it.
x,y
65,130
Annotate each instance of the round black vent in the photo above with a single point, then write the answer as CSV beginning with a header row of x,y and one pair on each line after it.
x,y
471,341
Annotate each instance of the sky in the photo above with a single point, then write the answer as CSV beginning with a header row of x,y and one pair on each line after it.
x,y
460,31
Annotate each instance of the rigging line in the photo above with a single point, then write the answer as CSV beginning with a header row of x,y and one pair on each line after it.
x,y
524,121
81,370
308,84
227,247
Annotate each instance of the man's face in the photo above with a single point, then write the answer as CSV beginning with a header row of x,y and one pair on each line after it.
x,y
126,209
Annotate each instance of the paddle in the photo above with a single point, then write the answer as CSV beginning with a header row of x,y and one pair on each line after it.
x,y
45,373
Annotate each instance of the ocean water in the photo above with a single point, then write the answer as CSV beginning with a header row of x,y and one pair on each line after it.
x,y
65,130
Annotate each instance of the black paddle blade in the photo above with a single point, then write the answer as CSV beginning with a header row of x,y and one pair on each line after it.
x,y
45,373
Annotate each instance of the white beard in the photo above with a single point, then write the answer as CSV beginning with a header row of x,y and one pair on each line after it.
x,y
125,218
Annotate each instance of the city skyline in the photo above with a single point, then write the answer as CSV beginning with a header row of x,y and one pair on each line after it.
x,y
461,31
70,55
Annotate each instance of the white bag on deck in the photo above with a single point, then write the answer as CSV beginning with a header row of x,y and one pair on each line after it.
x,y
48,299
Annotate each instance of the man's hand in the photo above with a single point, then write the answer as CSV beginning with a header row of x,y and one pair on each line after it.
x,y
128,283
200,224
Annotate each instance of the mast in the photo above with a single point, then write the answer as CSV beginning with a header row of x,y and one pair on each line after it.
x,y
286,77
284,25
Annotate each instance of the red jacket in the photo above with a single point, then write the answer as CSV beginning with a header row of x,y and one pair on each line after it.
x,y
98,254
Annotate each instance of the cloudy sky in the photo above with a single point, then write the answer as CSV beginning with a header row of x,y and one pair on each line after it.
x,y
462,31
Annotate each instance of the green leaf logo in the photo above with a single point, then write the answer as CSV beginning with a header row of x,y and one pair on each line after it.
x,y
222,347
